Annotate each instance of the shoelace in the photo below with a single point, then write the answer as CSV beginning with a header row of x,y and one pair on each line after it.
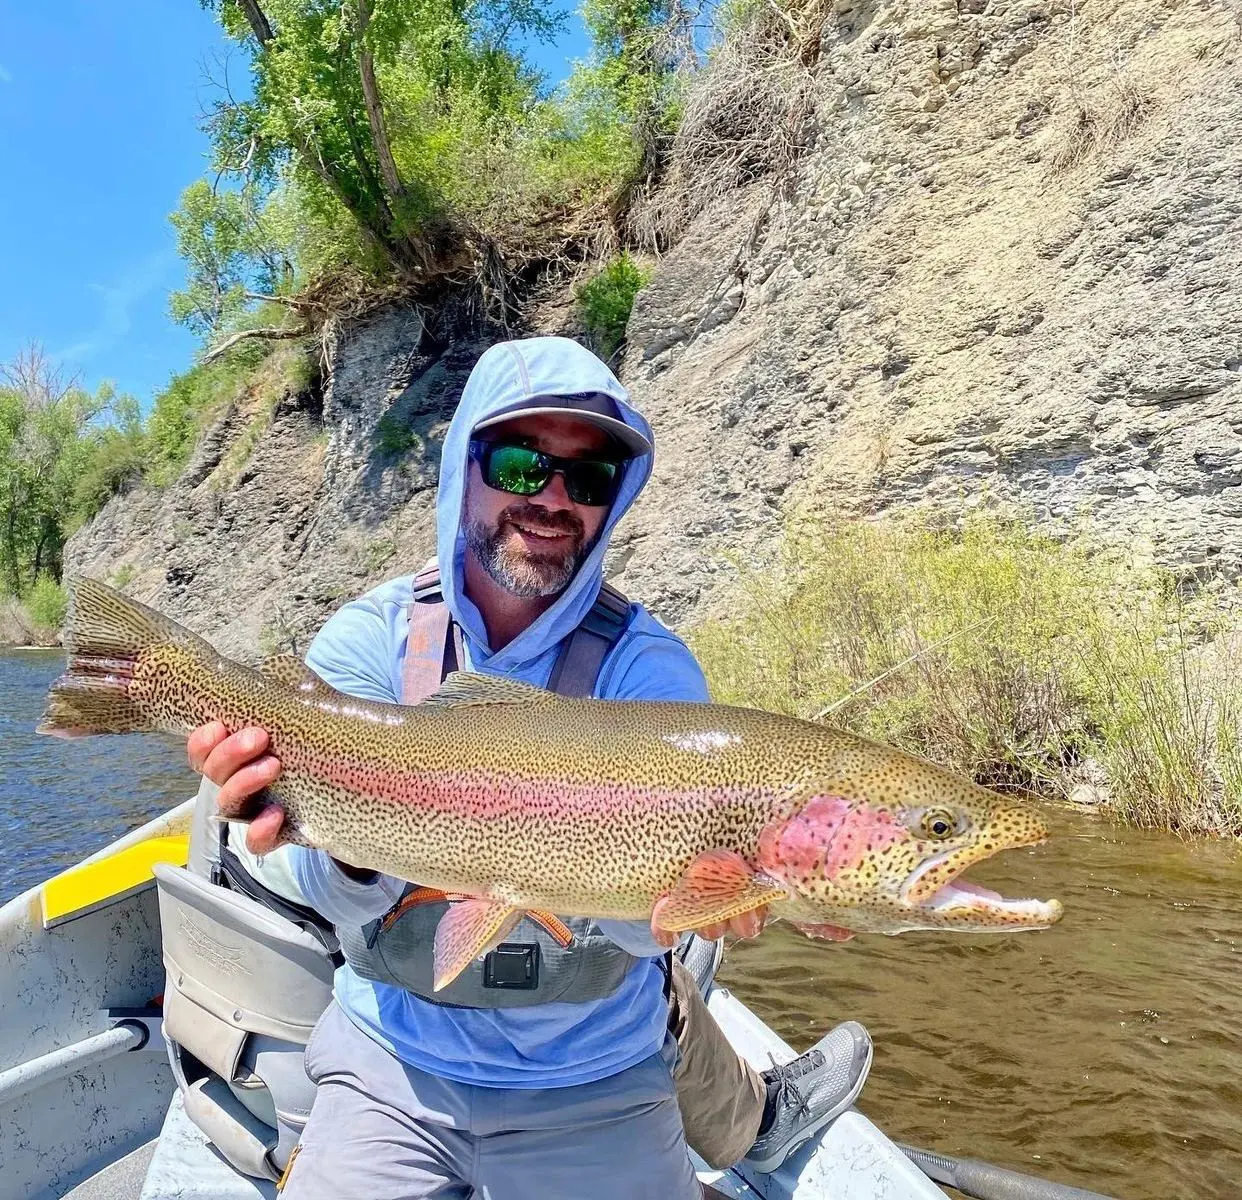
x,y
786,1087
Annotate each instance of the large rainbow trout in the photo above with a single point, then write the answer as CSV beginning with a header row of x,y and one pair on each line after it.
x,y
512,800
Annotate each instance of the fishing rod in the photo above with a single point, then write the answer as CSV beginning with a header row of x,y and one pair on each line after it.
x,y
985,1182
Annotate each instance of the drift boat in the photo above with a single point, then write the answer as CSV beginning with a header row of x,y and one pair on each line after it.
x,y
89,1107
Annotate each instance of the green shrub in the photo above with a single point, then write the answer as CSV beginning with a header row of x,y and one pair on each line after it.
x,y
113,462
189,402
1020,660
46,603
394,435
605,302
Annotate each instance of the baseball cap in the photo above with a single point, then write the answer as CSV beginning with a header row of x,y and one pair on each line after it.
x,y
594,408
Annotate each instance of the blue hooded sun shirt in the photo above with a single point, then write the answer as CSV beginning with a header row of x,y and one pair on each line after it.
x,y
361,651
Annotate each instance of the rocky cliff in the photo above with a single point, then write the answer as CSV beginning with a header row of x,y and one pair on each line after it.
x,y
1005,269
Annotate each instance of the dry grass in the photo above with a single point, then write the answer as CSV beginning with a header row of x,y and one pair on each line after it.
x,y
1021,660
1099,123
745,117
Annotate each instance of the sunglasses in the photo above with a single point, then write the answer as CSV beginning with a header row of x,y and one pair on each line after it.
x,y
524,471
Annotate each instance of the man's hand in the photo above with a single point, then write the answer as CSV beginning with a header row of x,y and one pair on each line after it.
x,y
240,765
747,925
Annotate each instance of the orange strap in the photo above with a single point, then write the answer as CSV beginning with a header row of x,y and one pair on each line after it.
x,y
420,895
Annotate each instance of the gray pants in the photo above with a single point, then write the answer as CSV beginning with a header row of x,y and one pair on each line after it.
x,y
381,1130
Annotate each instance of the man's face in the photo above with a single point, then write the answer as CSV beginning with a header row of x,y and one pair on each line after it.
x,y
533,545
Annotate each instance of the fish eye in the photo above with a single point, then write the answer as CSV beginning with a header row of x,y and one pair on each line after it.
x,y
938,824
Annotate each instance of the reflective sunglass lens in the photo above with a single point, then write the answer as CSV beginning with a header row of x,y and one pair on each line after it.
x,y
594,483
517,469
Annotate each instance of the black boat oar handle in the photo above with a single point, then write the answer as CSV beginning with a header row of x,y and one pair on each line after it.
x,y
986,1182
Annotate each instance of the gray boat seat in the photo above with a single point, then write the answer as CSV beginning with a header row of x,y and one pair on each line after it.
x,y
244,989
186,1166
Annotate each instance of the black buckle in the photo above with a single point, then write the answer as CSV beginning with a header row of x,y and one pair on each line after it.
x,y
512,965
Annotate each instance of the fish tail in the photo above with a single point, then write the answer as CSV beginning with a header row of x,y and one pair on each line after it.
x,y
106,634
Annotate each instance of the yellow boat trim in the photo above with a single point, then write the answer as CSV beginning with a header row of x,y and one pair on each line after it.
x,y
93,886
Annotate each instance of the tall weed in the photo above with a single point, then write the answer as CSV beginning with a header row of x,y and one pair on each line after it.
x,y
1021,660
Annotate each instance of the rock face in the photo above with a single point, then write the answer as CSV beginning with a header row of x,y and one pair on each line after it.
x,y
281,517
1007,271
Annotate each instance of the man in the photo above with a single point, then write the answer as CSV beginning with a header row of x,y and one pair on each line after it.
x,y
487,1095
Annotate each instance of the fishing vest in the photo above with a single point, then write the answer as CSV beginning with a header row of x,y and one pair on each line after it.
x,y
541,962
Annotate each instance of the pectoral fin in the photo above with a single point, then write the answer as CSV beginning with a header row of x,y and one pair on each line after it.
x,y
468,930
716,886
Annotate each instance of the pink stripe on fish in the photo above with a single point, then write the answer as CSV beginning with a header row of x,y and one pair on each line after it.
x,y
483,795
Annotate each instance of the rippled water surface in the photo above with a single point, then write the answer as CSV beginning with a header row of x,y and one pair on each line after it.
x,y
61,800
1106,1052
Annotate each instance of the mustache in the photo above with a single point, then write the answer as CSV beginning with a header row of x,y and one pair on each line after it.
x,y
543,518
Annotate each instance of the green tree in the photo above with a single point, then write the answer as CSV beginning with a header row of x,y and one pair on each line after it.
x,y
115,459
44,421
230,253
347,93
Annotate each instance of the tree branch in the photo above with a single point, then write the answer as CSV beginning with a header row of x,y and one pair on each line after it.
x,y
290,301
375,107
259,24
268,334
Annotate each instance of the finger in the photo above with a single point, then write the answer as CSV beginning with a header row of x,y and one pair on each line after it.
x,y
747,925
714,931
234,753
203,741
266,832
234,800
663,937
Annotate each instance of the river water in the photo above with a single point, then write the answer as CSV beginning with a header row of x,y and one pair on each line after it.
x,y
1106,1052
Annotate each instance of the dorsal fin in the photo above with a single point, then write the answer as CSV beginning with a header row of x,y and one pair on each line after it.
x,y
466,687
294,673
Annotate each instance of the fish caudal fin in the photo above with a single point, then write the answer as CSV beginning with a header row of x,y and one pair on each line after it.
x,y
717,885
469,929
105,634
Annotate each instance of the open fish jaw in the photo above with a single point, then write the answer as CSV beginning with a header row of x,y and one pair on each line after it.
x,y
936,889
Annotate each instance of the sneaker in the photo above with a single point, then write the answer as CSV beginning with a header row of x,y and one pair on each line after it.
x,y
813,1089
702,959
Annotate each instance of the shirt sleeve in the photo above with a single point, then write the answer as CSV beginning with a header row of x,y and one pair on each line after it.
x,y
634,937
329,891
353,651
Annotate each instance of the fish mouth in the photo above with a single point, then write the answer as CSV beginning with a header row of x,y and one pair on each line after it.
x,y
935,887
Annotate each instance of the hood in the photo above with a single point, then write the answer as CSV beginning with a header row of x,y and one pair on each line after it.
x,y
507,373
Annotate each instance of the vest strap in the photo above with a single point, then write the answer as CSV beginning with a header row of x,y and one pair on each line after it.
x,y
582,654
544,959
433,646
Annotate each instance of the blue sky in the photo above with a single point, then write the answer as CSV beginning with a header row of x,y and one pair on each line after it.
x,y
99,113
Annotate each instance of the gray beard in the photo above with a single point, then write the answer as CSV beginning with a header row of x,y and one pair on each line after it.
x,y
524,576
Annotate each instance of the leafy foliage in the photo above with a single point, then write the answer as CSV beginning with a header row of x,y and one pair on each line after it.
x,y
47,603
228,248
606,300
410,139
181,409
44,442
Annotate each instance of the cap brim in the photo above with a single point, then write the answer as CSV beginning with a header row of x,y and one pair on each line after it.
x,y
630,438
